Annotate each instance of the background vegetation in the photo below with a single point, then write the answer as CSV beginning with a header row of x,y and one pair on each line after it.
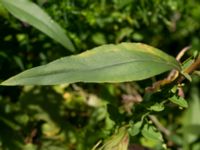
x,y
77,116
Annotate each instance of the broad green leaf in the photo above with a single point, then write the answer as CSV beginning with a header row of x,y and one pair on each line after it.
x,y
179,101
107,63
29,12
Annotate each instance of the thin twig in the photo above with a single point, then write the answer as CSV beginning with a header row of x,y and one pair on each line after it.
x,y
159,125
173,72
182,52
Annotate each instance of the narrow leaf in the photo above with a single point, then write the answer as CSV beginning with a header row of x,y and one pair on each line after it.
x,y
31,13
108,63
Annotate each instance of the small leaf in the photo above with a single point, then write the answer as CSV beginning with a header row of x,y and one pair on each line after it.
x,y
179,101
29,12
157,107
150,133
108,63
135,128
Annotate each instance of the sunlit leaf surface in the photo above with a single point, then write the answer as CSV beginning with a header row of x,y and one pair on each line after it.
x,y
107,63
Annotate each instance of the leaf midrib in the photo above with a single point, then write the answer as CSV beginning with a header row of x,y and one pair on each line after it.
x,y
94,69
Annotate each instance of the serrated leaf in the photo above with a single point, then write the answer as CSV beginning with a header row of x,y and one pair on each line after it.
x,y
151,133
108,63
179,101
31,13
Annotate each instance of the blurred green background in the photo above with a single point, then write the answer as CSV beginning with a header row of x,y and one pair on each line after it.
x,y
77,116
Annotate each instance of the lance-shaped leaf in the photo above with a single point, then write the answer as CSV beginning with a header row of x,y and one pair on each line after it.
x,y
29,12
107,63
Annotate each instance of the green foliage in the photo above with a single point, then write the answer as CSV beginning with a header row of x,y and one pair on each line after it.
x,y
30,13
149,113
179,101
108,63
150,133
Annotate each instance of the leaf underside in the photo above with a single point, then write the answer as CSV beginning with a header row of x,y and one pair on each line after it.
x,y
108,63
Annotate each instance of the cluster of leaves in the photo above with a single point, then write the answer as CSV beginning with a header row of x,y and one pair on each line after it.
x,y
78,115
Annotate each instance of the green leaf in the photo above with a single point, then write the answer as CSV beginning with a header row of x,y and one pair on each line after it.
x,y
151,133
157,107
29,12
179,101
135,128
108,63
